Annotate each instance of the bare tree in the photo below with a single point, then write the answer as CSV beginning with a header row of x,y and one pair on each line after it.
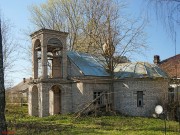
x,y
3,127
59,15
9,51
98,27
86,19
168,11
110,35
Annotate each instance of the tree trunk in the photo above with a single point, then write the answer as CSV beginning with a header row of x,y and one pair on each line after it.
x,y
3,126
112,95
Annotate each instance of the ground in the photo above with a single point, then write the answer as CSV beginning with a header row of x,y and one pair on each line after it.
x,y
20,123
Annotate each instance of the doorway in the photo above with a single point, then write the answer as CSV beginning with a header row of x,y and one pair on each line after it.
x,y
55,100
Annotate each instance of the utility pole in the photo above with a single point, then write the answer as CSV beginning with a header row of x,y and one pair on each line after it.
x,y
176,81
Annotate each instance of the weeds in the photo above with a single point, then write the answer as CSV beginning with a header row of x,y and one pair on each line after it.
x,y
19,122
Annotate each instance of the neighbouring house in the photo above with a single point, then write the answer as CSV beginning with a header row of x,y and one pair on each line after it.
x,y
19,93
67,82
172,67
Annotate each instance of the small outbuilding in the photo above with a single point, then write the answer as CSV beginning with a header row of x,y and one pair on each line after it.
x,y
18,94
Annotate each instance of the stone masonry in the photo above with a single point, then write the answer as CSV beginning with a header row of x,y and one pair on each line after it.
x,y
59,86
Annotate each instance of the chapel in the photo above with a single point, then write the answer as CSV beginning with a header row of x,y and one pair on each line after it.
x,y
69,82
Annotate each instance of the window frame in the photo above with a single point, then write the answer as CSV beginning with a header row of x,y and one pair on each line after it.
x,y
140,96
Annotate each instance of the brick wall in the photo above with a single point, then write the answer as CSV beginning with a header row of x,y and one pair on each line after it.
x,y
155,92
171,65
83,93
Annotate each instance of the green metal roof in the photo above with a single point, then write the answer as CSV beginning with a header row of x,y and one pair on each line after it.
x,y
88,64
91,66
139,70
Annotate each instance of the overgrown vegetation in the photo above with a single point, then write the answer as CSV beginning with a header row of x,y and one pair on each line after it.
x,y
20,123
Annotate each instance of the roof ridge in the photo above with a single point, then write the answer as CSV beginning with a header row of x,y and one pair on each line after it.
x,y
169,58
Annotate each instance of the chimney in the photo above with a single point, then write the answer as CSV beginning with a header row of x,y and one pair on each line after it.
x,y
156,59
24,80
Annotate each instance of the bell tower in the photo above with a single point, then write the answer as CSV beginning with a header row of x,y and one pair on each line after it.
x,y
49,60
49,56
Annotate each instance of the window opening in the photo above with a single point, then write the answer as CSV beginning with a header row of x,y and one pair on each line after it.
x,y
171,95
99,100
139,98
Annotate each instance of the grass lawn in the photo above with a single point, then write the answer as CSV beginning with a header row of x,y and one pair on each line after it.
x,y
21,124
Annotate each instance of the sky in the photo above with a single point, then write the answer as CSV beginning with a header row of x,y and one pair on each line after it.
x,y
158,38
17,12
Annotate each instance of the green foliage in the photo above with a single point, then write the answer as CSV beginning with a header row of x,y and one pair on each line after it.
x,y
21,123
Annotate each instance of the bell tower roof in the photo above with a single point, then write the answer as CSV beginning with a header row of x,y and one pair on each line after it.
x,y
48,31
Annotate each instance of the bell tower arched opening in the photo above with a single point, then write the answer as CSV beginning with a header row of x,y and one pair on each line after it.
x,y
54,48
36,58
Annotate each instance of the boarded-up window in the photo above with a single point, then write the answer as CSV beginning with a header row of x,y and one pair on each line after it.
x,y
139,98
99,100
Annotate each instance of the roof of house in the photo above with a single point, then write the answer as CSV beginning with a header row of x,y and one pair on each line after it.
x,y
87,64
171,66
171,58
20,87
91,66
139,70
